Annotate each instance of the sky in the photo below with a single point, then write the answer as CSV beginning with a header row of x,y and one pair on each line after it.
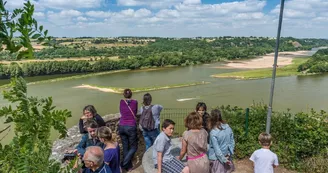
x,y
180,18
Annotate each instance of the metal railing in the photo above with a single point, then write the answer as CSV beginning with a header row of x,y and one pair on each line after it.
x,y
179,114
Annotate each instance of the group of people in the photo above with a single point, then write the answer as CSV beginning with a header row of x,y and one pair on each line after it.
x,y
208,141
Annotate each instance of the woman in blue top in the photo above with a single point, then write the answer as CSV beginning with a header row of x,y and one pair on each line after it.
x,y
111,149
221,146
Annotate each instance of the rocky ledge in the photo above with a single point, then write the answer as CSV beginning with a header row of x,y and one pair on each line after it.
x,y
73,138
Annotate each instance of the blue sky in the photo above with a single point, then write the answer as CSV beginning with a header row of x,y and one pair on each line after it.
x,y
180,18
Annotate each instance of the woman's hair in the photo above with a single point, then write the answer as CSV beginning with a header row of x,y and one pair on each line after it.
x,y
147,99
265,139
201,104
193,121
105,133
91,109
167,122
216,119
127,93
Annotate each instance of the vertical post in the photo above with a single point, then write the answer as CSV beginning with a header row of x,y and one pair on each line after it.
x,y
246,121
268,122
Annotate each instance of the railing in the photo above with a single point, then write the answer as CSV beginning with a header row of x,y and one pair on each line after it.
x,y
179,114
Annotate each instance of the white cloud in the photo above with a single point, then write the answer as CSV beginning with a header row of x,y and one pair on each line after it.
x,y
69,13
64,17
142,13
98,14
150,3
167,13
181,18
80,18
192,2
13,4
68,4
39,15
57,4
309,14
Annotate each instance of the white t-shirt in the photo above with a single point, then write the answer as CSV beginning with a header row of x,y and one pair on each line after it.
x,y
264,159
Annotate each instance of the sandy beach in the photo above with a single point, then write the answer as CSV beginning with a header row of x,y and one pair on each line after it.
x,y
266,61
97,88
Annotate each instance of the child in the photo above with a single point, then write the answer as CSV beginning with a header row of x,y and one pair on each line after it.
x,y
150,111
89,139
111,149
264,159
194,142
201,109
163,159
222,144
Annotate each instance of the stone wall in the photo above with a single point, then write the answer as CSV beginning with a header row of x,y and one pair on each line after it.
x,y
73,138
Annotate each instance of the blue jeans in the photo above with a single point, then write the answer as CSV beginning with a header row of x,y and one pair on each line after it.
x,y
150,136
129,139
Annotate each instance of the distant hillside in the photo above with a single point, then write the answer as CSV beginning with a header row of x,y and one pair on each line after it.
x,y
318,63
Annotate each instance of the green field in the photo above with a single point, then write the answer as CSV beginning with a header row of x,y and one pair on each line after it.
x,y
288,70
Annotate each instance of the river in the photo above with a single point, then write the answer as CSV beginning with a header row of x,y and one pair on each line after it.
x,y
299,93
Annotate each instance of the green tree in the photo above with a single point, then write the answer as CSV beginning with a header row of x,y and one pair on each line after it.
x,y
32,118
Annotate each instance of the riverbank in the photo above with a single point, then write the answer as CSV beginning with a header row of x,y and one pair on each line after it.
x,y
70,77
288,70
152,88
92,58
266,61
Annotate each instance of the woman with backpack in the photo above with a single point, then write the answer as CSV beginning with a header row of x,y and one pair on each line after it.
x,y
149,120
128,128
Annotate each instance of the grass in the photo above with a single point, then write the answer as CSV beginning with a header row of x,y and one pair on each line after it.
x,y
145,89
289,70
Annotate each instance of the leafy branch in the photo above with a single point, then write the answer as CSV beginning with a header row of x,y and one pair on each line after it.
x,y
20,21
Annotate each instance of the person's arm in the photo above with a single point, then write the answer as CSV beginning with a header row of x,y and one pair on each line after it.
x,y
107,158
158,147
121,108
252,158
275,164
82,145
81,128
136,108
217,150
100,120
159,162
159,108
183,149
232,142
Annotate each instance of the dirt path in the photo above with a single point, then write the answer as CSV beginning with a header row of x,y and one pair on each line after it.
x,y
242,166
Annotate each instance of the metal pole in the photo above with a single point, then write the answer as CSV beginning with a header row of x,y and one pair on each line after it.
x,y
268,123
246,121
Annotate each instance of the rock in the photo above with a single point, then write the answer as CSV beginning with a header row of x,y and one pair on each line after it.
x,y
73,138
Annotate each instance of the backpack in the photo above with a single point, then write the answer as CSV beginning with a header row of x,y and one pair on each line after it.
x,y
146,119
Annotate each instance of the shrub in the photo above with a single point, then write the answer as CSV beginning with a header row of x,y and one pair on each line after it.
x,y
297,138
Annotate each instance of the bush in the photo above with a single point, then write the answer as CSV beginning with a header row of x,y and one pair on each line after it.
x,y
317,64
298,138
